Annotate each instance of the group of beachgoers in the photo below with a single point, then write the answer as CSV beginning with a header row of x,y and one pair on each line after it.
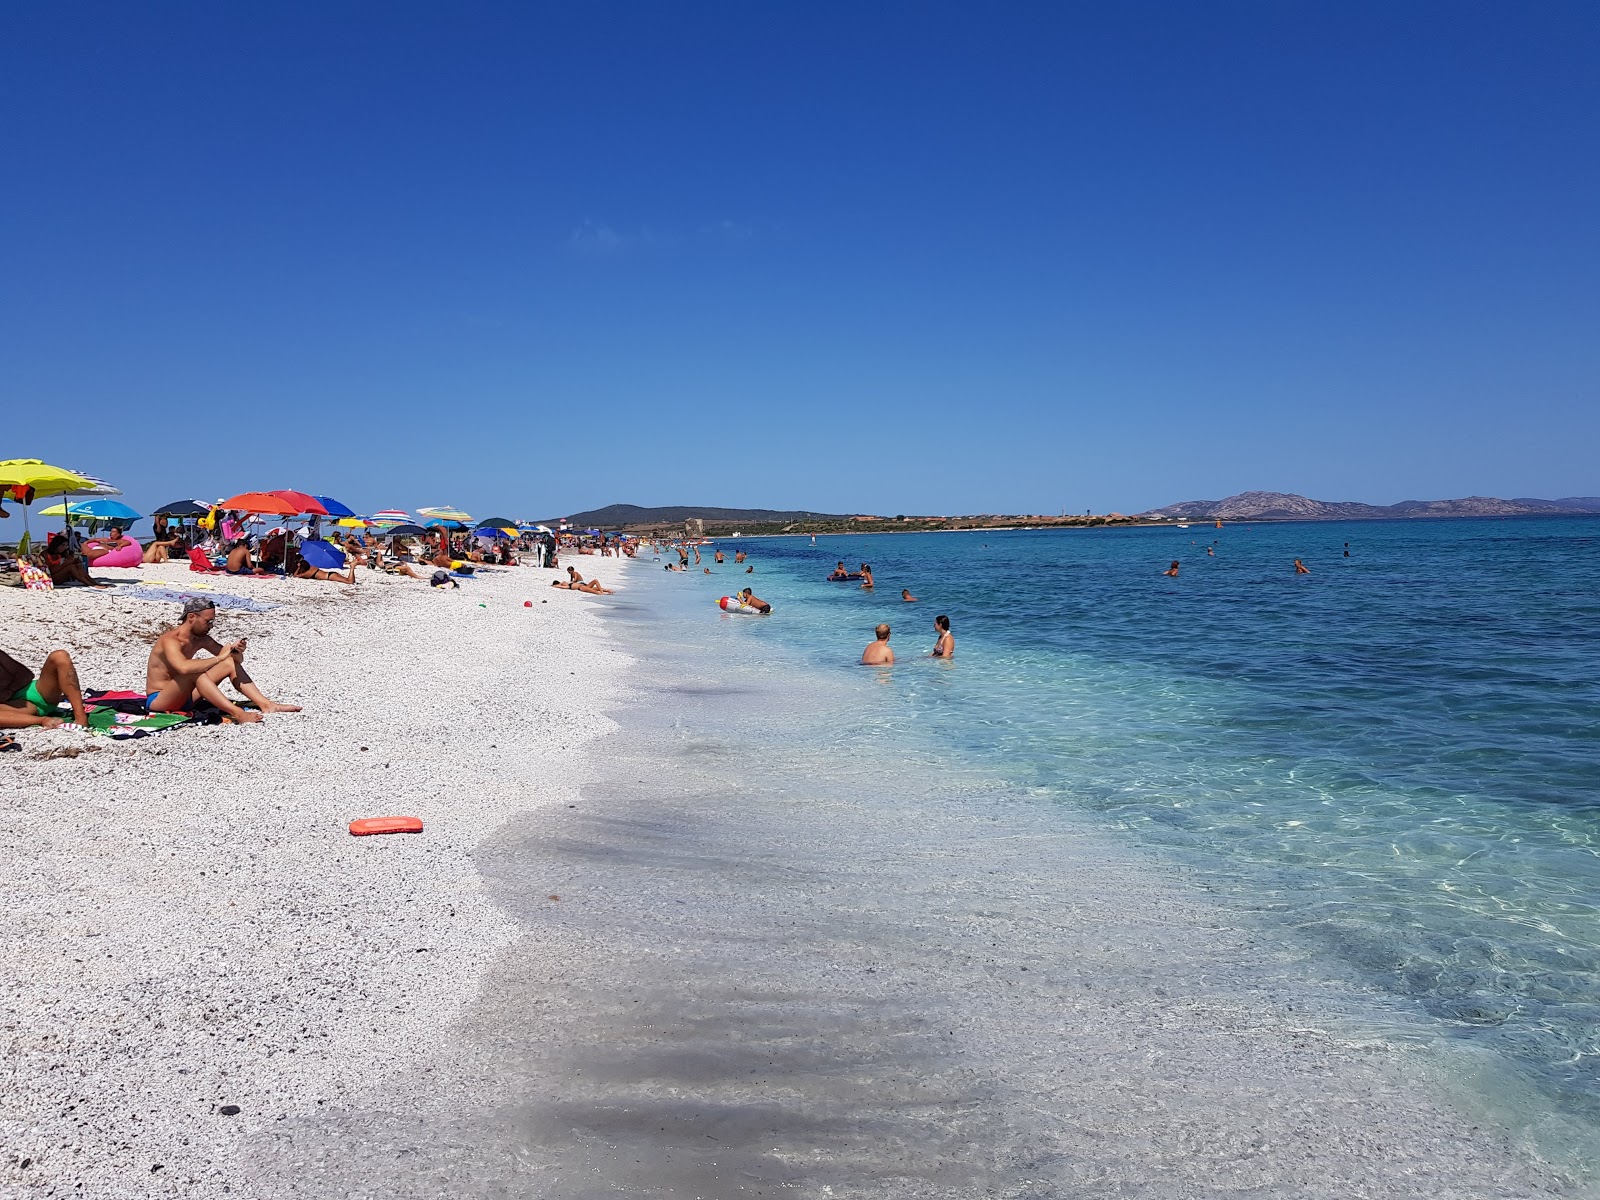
x,y
226,546
177,678
877,654
1298,567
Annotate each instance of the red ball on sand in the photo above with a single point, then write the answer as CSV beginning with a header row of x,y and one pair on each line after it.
x,y
527,604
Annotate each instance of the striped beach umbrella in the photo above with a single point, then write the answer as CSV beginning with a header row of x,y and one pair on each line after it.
x,y
391,516
446,513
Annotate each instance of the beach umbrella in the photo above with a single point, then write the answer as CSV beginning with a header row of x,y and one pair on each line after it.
x,y
390,516
443,523
181,509
101,508
497,523
260,502
334,508
446,513
352,523
489,531
321,555
302,501
405,530
25,479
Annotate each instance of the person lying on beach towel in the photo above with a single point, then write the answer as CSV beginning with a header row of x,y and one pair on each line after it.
x,y
26,701
301,569
174,676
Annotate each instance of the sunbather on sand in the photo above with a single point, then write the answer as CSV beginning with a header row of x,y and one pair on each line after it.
x,y
64,565
239,561
301,569
26,701
158,551
174,676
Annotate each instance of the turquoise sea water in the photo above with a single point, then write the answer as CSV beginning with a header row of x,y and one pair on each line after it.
x,y
1395,760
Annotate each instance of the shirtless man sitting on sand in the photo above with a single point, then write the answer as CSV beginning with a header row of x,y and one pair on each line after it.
x,y
26,701
174,676
878,653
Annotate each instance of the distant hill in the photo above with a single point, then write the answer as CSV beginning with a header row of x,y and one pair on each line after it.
x,y
1286,506
618,516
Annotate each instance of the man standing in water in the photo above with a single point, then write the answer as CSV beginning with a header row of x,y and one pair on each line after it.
x,y
1300,568
1172,570
878,653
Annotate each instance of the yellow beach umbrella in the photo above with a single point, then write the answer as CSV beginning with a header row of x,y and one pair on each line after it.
x,y
44,479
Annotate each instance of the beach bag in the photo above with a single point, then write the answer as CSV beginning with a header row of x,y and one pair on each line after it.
x,y
36,579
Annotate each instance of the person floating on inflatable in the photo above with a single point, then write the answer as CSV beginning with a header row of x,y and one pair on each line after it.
x,y
746,602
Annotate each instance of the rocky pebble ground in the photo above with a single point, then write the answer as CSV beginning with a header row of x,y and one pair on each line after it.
x,y
194,946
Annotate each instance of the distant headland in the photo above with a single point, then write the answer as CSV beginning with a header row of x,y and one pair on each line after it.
x,y
1246,506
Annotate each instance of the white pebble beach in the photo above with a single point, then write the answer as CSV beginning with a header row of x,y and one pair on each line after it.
x,y
189,925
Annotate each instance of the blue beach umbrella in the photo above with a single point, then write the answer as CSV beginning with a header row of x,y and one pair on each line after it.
x,y
490,531
335,509
321,555
101,508
441,523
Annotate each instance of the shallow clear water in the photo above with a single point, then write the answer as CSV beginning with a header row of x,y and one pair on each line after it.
x,y
1395,758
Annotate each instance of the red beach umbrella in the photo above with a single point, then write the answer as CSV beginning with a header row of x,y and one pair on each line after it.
x,y
260,502
303,503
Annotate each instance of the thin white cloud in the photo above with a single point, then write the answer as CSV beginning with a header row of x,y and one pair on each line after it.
x,y
600,239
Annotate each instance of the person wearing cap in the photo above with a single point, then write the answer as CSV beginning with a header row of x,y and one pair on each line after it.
x,y
174,675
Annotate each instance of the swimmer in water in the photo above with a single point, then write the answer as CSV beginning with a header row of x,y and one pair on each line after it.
x,y
1172,570
866,577
945,646
1347,549
1300,568
1210,552
905,595
878,653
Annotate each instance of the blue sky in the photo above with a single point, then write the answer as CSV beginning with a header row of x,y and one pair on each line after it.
x,y
885,257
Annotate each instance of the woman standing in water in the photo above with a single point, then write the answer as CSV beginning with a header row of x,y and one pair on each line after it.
x,y
945,647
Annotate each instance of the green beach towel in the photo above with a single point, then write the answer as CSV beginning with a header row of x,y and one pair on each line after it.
x,y
110,721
